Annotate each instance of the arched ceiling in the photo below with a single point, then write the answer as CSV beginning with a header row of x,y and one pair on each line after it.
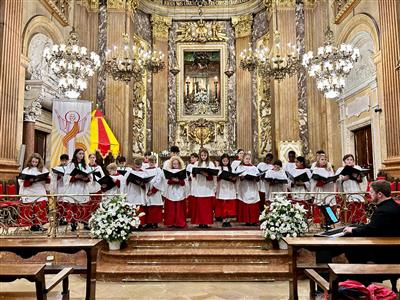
x,y
212,9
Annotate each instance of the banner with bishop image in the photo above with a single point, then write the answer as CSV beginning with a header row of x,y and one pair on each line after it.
x,y
71,128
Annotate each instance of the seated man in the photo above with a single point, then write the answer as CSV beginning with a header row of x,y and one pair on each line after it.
x,y
385,221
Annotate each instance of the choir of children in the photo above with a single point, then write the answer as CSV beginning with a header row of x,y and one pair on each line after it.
x,y
199,192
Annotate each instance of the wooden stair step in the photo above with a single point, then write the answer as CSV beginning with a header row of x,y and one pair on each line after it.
x,y
189,272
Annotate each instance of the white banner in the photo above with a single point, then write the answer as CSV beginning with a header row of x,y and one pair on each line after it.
x,y
71,128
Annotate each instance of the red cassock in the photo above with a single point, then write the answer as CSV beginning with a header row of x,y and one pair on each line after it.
x,y
154,214
226,208
175,204
248,213
202,208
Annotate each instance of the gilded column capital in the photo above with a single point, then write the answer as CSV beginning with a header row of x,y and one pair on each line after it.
x,y
242,25
161,26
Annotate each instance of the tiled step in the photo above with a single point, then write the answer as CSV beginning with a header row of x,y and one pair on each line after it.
x,y
195,256
189,272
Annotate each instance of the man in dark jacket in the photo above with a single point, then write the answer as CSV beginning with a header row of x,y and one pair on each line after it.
x,y
385,221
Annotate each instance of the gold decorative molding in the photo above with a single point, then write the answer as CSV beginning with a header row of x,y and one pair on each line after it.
x,y
161,26
242,25
342,9
120,4
201,32
59,9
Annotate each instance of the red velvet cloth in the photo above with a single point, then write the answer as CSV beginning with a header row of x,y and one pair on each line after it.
x,y
225,208
175,213
76,212
202,210
34,213
154,214
248,213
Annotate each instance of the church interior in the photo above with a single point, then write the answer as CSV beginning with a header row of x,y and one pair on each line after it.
x,y
199,149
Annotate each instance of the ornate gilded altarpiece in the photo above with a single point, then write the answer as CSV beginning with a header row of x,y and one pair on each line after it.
x,y
202,112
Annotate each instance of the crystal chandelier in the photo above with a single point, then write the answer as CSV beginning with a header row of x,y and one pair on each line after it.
x,y
72,64
331,65
130,61
271,62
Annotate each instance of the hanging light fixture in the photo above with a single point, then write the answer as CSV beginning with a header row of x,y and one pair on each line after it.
x,y
130,60
271,62
72,64
331,65
230,69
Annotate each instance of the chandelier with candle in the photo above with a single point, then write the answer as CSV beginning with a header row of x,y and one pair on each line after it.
x,y
72,64
271,62
331,65
130,61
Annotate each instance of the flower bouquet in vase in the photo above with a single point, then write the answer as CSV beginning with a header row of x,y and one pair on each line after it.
x,y
283,219
114,220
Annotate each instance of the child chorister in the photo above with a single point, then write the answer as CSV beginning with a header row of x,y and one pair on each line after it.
x,y
203,187
122,168
238,160
226,203
194,157
94,186
154,202
136,191
291,164
347,184
57,185
34,210
277,182
296,187
264,166
175,195
248,196
119,181
77,184
323,169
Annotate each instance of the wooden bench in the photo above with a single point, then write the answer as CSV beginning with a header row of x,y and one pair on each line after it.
x,y
343,272
322,243
35,273
27,247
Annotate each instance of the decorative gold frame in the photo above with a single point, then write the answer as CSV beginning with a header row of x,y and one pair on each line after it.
x,y
180,85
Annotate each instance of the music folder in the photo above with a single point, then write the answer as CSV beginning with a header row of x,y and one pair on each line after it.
x,y
229,176
253,177
209,171
36,178
353,173
302,177
58,170
122,172
325,179
108,181
275,180
78,171
179,175
138,180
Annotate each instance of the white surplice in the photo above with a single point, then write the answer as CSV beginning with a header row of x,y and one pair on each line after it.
x,y
36,188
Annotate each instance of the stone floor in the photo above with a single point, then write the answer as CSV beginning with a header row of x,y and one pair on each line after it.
x,y
172,290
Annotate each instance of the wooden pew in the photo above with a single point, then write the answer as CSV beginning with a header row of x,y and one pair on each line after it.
x,y
343,272
27,247
35,273
323,243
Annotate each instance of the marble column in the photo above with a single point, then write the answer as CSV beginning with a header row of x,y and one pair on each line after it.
x,y
301,79
102,47
160,26
244,107
10,60
389,13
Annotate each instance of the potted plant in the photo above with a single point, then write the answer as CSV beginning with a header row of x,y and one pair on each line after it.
x,y
114,220
283,219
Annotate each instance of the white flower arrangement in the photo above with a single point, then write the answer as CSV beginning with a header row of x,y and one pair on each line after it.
x,y
283,219
114,220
